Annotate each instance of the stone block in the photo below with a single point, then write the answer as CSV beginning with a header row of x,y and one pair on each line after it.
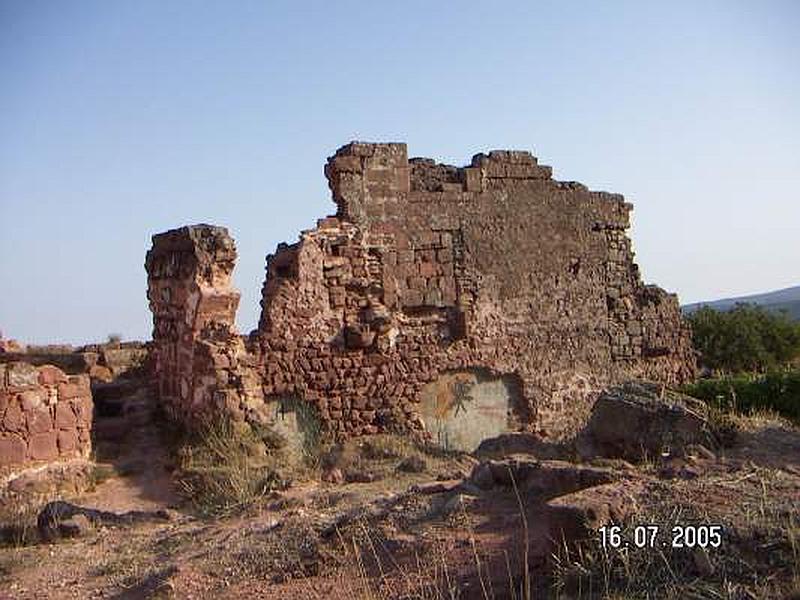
x,y
12,449
402,181
14,419
65,416
20,375
39,421
416,283
412,298
32,399
67,391
428,269
433,297
43,446
473,179
68,441
76,387
83,408
50,375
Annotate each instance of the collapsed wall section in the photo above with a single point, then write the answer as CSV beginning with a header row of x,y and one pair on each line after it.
x,y
426,270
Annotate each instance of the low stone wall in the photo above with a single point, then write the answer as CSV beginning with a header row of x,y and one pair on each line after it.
x,y
45,415
102,362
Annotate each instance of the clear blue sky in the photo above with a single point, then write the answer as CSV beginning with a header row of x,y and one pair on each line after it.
x,y
122,119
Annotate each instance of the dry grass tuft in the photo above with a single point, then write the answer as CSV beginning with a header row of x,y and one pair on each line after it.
x,y
759,557
222,471
18,525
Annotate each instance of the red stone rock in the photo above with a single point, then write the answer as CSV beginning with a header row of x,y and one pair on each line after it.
x,y
50,375
12,449
83,408
43,446
32,399
67,441
65,416
67,391
14,419
39,421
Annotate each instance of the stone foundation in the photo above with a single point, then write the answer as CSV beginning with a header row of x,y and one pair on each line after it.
x,y
425,270
45,415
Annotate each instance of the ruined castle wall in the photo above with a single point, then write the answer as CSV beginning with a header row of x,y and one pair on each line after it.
x,y
45,415
429,270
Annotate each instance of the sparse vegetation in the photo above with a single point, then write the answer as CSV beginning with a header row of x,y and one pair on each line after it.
x,y
758,558
101,472
391,540
222,471
387,446
18,525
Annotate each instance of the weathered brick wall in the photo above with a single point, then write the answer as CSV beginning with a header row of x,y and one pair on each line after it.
x,y
428,269
45,415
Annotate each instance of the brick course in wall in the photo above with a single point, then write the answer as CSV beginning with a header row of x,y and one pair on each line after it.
x,y
45,415
425,269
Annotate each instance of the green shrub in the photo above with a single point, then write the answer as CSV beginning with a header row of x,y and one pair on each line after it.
x,y
776,390
745,338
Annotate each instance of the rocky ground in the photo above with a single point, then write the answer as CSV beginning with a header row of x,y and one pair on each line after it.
x,y
383,518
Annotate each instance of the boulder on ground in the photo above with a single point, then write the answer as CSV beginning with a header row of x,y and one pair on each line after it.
x,y
579,514
77,526
638,420
538,479
55,514
521,442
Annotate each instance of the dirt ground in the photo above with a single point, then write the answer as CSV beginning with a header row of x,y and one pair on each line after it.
x,y
435,533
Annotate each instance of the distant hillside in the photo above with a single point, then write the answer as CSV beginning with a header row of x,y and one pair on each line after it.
x,y
787,299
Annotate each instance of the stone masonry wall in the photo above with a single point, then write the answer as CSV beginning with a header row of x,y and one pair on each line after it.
x,y
45,415
425,270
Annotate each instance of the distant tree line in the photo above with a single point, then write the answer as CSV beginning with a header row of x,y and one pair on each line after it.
x,y
755,354
746,338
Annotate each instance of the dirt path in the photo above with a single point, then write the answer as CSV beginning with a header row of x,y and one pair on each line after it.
x,y
140,455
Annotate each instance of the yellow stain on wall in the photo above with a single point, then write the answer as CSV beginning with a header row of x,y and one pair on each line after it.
x,y
445,392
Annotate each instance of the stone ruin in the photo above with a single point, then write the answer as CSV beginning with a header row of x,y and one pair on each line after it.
x,y
50,397
454,303
45,415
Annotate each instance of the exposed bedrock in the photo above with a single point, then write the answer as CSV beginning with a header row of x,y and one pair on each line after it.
x,y
456,302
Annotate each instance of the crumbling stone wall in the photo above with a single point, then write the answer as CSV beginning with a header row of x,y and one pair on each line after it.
x,y
426,270
45,415
199,360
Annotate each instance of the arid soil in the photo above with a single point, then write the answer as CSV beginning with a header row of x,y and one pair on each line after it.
x,y
458,528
